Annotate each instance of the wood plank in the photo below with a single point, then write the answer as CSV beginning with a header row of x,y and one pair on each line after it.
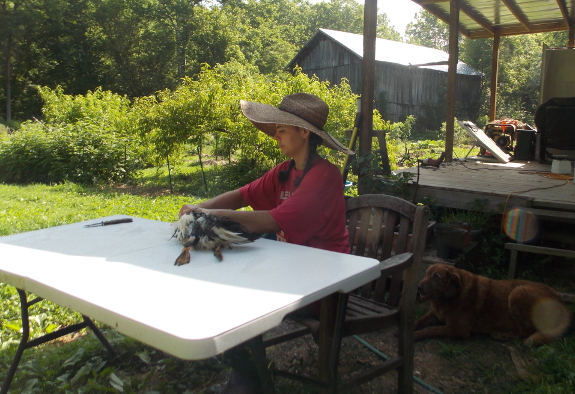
x,y
556,216
514,184
540,250
567,297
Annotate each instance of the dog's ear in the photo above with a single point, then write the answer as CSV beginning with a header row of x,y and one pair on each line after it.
x,y
453,285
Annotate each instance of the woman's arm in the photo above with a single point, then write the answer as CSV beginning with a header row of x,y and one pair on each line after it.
x,y
260,222
226,204
229,200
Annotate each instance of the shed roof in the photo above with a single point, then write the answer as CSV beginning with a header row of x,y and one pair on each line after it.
x,y
392,52
483,18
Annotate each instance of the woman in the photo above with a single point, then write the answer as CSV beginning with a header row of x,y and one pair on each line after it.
x,y
301,200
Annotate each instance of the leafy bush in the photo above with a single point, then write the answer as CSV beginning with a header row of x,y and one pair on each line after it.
x,y
205,110
242,172
85,139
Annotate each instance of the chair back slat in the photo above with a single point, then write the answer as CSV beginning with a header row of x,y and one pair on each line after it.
x,y
388,235
381,226
403,235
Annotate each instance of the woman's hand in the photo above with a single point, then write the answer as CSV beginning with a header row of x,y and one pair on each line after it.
x,y
187,208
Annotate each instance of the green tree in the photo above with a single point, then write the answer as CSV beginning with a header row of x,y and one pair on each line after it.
x,y
16,34
137,45
180,15
342,15
428,31
217,38
384,30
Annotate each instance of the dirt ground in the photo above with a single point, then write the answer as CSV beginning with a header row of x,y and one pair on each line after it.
x,y
476,365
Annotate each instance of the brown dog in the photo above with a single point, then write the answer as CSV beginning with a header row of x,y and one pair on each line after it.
x,y
463,303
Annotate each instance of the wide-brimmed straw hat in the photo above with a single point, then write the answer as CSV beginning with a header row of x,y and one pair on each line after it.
x,y
300,110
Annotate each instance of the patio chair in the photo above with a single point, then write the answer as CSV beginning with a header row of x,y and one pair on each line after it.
x,y
393,231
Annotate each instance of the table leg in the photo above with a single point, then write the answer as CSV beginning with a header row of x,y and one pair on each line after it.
x,y
331,324
26,344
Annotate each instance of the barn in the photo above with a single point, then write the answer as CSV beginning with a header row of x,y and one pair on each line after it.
x,y
409,79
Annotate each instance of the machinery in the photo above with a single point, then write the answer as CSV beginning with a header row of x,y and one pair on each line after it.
x,y
511,136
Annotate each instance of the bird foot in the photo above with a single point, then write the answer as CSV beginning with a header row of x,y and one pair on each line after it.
x,y
218,252
184,257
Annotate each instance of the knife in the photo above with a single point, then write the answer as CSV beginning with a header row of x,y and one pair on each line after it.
x,y
108,222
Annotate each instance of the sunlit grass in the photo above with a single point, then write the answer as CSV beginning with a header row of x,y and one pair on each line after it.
x,y
26,208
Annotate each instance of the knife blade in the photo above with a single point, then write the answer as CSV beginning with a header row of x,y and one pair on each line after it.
x,y
109,222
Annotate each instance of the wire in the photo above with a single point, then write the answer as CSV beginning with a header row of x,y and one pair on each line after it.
x,y
385,357
515,192
525,191
487,169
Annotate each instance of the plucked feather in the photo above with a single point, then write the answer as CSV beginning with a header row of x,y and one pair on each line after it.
x,y
202,231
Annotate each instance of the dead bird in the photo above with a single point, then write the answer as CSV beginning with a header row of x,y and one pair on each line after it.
x,y
202,231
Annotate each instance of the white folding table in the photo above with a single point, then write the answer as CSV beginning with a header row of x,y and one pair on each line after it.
x,y
124,276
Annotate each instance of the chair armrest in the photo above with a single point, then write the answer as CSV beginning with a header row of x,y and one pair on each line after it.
x,y
395,263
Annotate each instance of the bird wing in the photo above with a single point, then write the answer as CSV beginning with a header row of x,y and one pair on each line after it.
x,y
230,237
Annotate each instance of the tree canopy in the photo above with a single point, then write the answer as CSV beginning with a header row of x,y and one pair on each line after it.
x,y
139,47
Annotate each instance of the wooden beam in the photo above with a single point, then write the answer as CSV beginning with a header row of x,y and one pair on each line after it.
x,y
368,81
564,11
452,78
494,77
518,14
517,30
523,25
425,2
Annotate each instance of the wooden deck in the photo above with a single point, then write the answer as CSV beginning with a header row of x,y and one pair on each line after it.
x,y
499,186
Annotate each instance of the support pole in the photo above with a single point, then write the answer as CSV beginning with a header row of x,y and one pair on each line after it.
x,y
452,78
368,77
494,76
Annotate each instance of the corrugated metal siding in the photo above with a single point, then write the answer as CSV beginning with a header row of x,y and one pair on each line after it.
x,y
399,90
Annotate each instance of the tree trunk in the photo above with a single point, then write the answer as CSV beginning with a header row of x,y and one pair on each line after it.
x,y
8,89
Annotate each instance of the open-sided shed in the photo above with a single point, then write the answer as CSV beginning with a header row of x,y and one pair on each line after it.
x,y
409,79
494,19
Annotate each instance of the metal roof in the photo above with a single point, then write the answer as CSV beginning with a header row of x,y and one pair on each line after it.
x,y
398,52
484,18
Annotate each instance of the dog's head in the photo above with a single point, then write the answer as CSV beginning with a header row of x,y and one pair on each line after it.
x,y
441,281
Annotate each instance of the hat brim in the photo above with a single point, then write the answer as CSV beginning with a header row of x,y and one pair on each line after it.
x,y
265,117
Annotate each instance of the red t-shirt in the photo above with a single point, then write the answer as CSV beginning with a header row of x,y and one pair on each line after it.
x,y
311,215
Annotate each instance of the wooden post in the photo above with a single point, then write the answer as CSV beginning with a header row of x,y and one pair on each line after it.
x,y
452,78
571,43
368,77
494,76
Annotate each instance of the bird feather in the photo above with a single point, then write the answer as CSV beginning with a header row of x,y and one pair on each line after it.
x,y
203,231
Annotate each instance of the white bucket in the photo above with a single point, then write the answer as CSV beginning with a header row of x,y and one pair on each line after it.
x,y
561,166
